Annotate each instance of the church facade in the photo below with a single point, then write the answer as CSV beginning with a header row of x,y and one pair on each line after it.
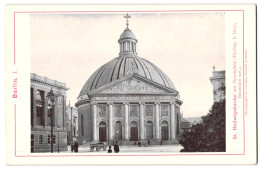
x,y
128,99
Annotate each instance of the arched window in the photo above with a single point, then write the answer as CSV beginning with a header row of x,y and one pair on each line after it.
x,y
82,125
165,130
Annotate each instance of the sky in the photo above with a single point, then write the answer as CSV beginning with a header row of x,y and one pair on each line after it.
x,y
185,46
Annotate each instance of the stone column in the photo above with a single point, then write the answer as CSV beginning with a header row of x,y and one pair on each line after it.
x,y
126,121
94,121
173,122
141,121
34,106
110,122
45,105
157,121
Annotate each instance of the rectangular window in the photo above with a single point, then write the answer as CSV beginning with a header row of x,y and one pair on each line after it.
x,y
149,110
102,110
54,139
164,110
39,107
134,110
118,110
40,139
49,139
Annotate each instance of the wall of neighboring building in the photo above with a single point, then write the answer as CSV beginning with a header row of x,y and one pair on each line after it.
x,y
218,83
41,114
41,139
72,123
84,115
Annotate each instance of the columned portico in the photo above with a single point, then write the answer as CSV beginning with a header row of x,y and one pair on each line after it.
x,y
141,118
94,121
110,121
173,122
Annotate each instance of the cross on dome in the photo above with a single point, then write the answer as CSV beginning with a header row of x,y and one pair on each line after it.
x,y
127,16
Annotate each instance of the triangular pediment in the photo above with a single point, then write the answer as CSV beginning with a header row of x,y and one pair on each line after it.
x,y
133,84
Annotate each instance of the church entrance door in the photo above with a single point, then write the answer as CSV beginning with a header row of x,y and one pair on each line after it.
x,y
164,130
134,134
118,130
133,131
102,132
149,130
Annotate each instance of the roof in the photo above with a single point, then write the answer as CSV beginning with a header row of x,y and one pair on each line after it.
x,y
122,66
127,34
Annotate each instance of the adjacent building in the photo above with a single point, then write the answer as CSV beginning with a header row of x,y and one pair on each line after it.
x,y
218,82
71,123
188,122
129,99
41,118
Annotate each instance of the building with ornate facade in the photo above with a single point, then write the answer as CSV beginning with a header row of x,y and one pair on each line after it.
x,y
218,82
41,118
71,123
129,99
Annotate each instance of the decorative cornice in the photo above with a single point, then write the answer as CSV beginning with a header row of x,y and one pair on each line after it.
x,y
179,102
93,103
47,82
81,102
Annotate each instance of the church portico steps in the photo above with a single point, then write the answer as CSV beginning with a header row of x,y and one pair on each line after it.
x,y
144,142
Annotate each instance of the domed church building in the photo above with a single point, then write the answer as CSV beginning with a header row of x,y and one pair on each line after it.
x,y
128,99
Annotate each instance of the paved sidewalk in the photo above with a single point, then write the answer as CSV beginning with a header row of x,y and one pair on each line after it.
x,y
133,148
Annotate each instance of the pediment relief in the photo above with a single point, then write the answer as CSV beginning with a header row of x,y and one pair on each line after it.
x,y
133,86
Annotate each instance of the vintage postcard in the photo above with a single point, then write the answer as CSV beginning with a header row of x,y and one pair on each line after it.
x,y
130,84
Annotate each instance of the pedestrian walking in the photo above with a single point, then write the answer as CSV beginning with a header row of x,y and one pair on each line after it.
x,y
148,142
116,148
72,147
109,149
76,147
161,142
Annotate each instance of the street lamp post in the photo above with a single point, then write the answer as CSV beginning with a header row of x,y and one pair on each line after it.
x,y
51,99
71,125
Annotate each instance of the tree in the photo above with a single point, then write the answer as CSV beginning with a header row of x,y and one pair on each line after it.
x,y
210,135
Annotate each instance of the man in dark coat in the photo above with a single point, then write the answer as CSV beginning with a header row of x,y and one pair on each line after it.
x,y
109,150
116,148
76,146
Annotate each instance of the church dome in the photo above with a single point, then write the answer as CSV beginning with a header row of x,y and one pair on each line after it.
x,y
127,63
122,66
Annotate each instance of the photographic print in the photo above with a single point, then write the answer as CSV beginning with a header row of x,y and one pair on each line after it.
x,y
151,81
